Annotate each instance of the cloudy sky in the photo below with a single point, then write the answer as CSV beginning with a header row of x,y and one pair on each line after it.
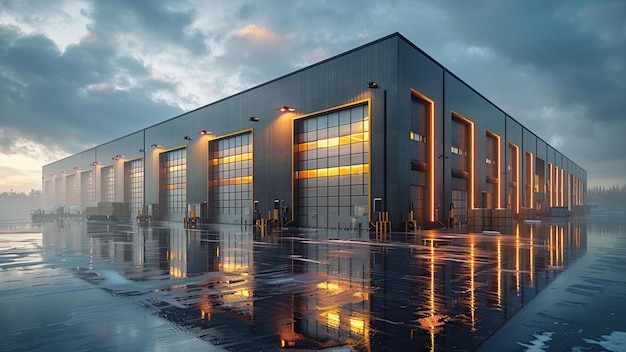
x,y
74,74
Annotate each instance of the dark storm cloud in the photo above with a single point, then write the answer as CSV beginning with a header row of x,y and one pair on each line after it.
x,y
579,49
155,21
60,99
558,67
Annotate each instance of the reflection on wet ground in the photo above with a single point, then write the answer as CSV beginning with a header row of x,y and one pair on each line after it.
x,y
240,289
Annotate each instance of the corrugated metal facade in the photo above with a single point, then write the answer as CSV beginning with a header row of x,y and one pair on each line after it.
x,y
396,178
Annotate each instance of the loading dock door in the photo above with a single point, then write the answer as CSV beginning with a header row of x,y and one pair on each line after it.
x,y
459,200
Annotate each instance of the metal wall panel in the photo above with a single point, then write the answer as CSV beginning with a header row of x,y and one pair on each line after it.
x,y
398,67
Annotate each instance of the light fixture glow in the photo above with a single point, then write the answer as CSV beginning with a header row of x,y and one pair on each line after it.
x,y
154,146
372,84
287,109
188,138
433,155
472,152
472,166
498,168
531,161
142,150
517,178
254,119
205,132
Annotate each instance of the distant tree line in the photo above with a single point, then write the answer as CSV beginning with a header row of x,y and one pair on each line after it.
x,y
608,198
19,205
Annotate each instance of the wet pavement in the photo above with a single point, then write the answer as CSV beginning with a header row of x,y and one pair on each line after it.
x,y
77,285
584,309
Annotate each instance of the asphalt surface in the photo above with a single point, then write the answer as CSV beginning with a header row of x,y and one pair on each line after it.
x,y
551,287
583,309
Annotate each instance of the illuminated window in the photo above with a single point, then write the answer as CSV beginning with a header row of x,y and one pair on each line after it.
x,y
458,151
108,184
230,177
493,166
462,161
87,196
417,137
133,185
331,166
173,179
70,189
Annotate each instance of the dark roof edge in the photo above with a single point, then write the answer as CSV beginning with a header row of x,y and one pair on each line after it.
x,y
242,92
285,76
387,37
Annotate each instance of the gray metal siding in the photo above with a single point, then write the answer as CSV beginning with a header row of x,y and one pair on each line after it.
x,y
392,62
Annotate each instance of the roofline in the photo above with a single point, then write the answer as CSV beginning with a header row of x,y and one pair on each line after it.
x,y
345,53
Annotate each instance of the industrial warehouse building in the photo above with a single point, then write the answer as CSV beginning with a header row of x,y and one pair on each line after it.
x,y
382,128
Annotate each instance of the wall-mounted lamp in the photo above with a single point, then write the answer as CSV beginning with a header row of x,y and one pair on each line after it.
x,y
287,109
205,132
254,119
154,146
188,138
142,150
372,84
117,157
77,168
94,163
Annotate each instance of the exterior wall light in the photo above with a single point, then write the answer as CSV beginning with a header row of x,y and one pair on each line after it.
x,y
205,132
117,157
254,119
142,150
154,146
77,168
287,109
188,138
94,163
372,84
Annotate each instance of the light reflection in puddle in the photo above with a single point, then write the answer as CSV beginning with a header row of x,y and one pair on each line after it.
x,y
318,289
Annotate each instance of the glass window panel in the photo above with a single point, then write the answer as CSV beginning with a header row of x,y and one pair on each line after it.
x,y
344,117
326,156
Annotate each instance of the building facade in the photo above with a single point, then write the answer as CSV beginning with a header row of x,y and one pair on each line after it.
x,y
381,128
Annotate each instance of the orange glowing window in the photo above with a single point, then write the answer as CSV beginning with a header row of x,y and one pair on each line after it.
x,y
334,141
357,326
232,181
232,158
333,319
357,169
